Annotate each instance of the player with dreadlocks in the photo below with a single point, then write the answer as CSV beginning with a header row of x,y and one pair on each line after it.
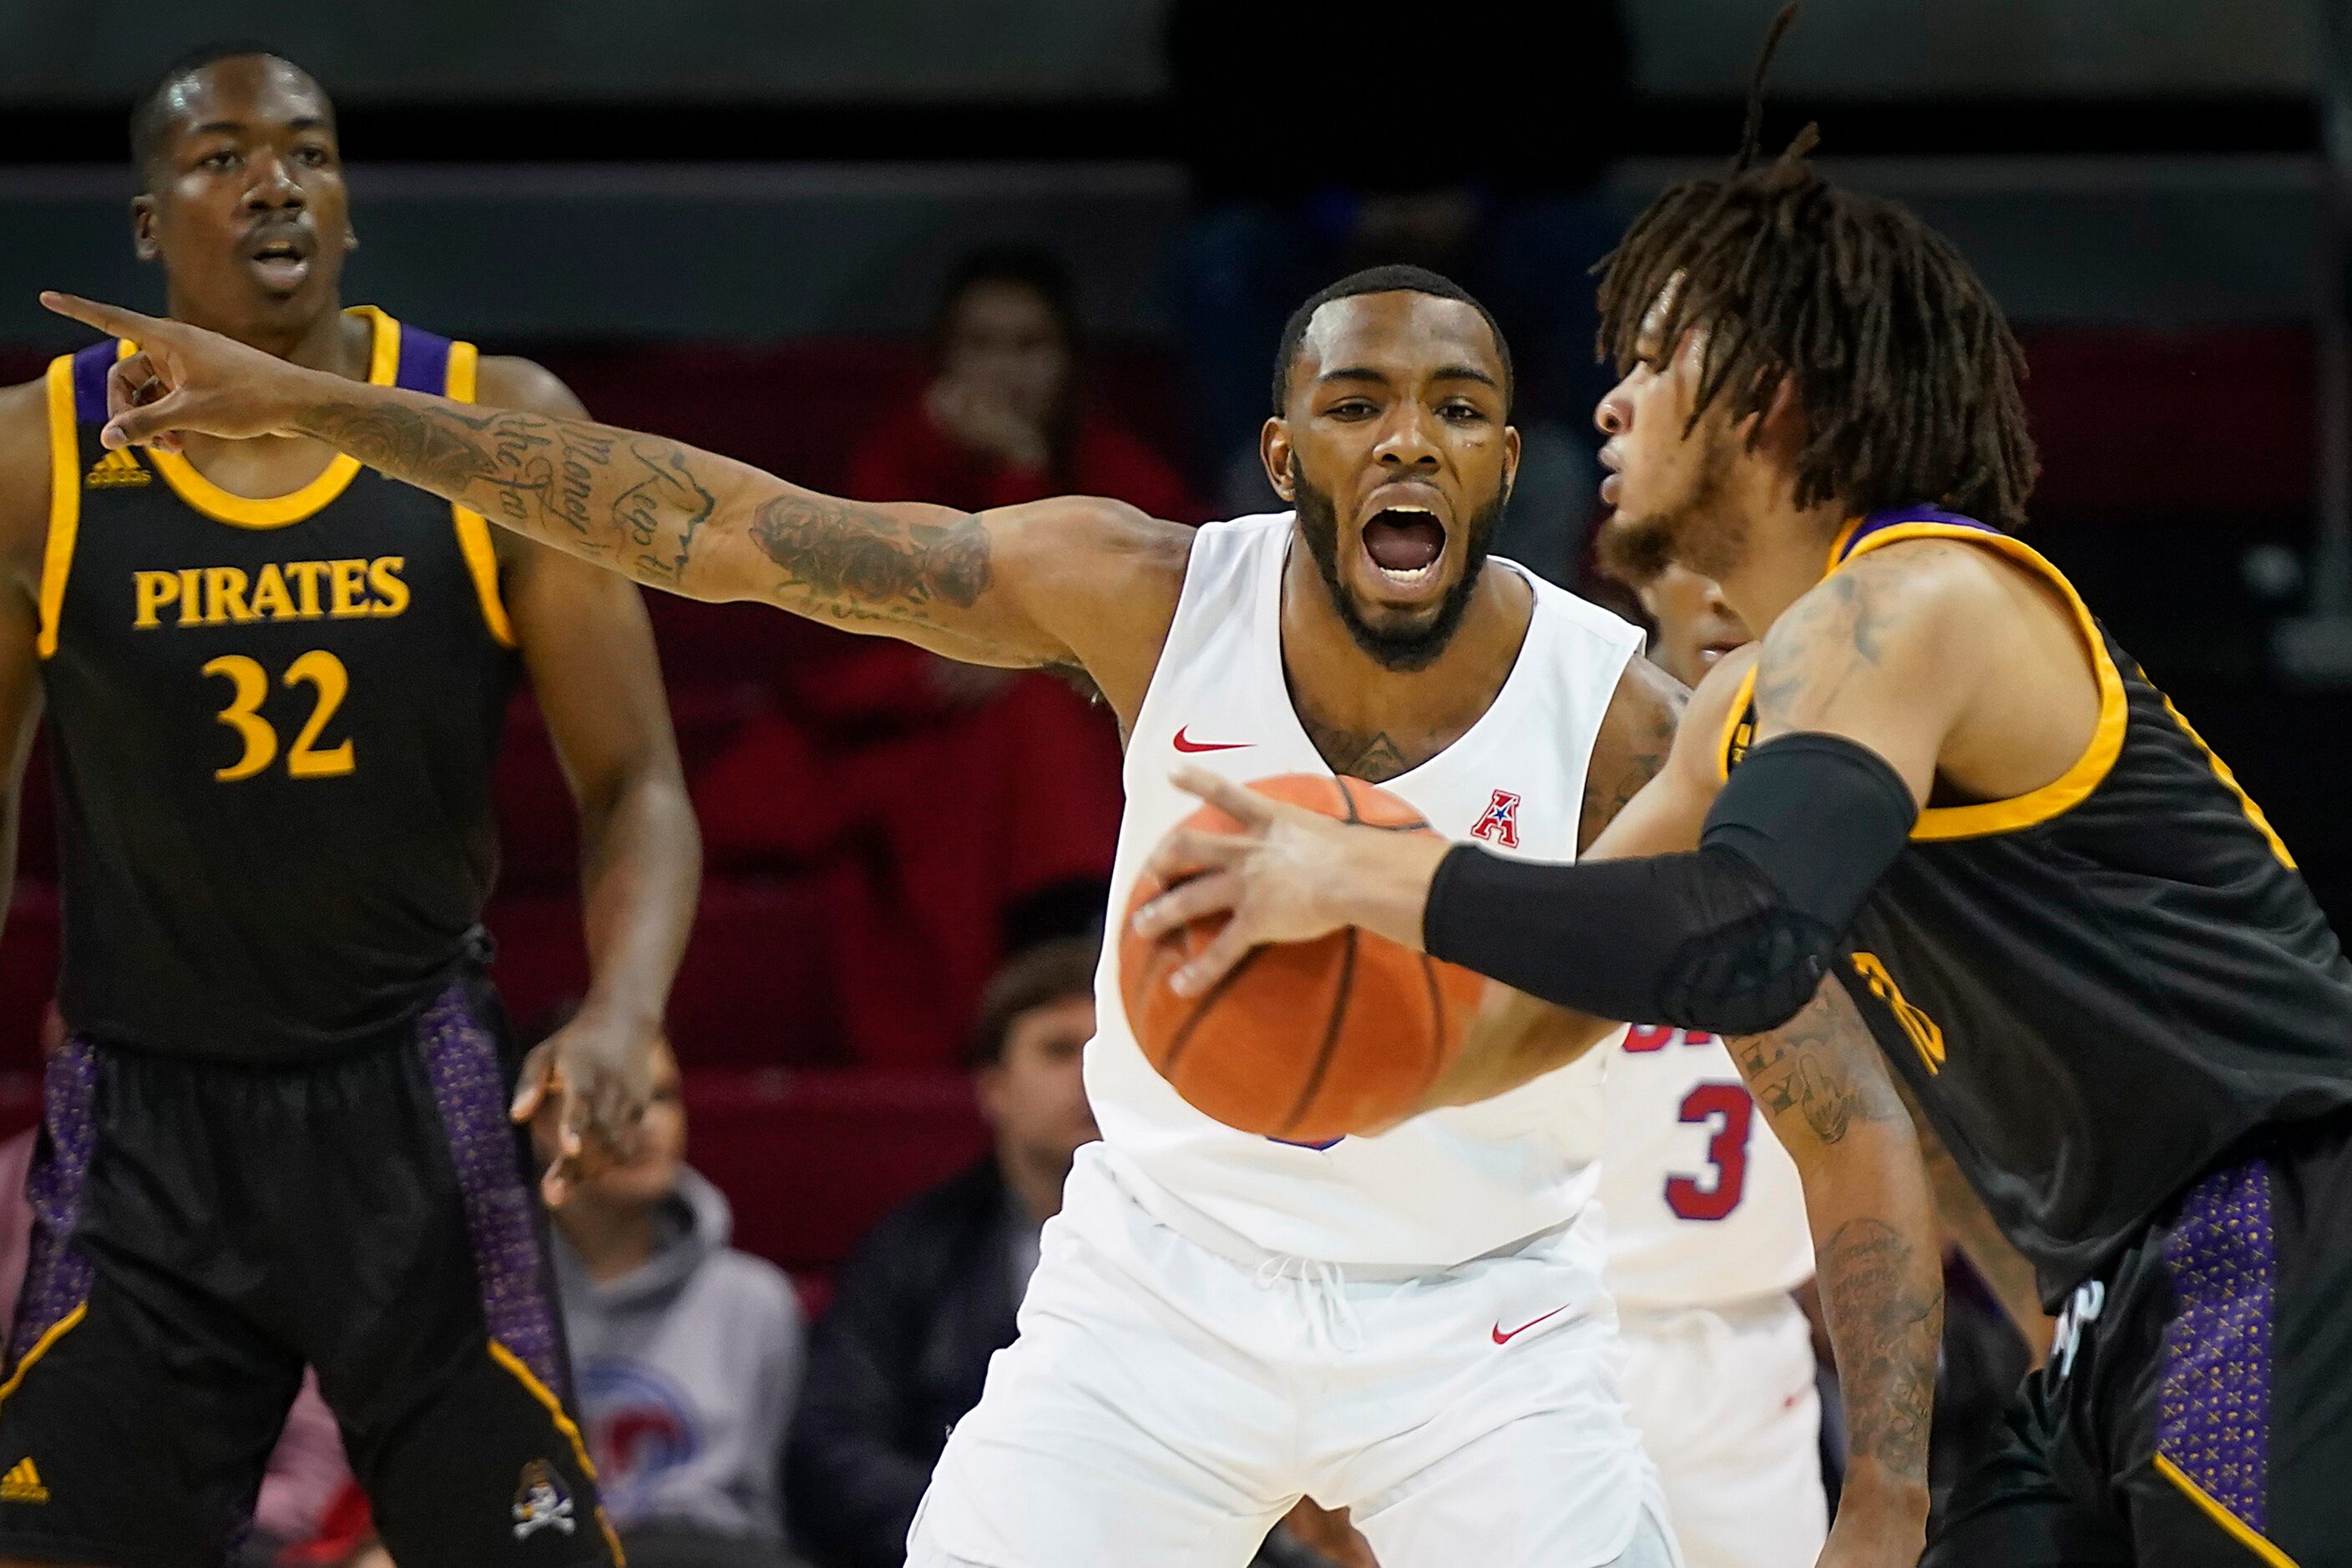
x,y
1939,781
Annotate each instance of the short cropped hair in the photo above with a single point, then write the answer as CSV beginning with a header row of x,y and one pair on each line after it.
x,y
151,117
1389,279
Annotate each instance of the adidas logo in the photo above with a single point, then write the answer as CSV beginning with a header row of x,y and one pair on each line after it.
x,y
115,470
23,1484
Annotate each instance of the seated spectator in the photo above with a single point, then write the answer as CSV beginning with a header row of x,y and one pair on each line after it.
x,y
686,1352
1003,418
931,1293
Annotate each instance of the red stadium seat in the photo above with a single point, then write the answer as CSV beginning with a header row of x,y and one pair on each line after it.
x,y
811,1161
538,836
28,974
755,989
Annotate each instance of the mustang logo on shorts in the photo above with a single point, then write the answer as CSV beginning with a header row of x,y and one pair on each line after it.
x,y
541,1502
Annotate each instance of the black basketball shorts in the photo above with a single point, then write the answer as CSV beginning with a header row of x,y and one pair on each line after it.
x,y
203,1230
2197,1409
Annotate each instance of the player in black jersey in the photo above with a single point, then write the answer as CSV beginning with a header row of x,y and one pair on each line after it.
x,y
282,1131
2066,926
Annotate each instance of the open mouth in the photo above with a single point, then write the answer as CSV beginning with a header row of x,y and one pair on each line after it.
x,y
1405,544
282,264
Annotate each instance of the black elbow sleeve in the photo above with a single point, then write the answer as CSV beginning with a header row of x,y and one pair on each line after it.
x,y
1733,938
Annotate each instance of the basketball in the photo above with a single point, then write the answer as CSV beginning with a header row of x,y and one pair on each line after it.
x,y
1301,1041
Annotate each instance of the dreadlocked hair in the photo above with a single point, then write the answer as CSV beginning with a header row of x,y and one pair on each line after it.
x,y
1905,370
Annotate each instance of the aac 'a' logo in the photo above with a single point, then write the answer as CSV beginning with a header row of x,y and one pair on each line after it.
x,y
1499,822
541,1502
117,470
22,1483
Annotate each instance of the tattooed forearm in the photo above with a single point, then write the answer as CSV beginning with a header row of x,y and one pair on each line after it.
x,y
1821,1067
860,562
634,501
1883,1293
646,506
1824,1083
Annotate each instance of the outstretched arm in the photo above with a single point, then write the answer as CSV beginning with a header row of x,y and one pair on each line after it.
x,y
1074,582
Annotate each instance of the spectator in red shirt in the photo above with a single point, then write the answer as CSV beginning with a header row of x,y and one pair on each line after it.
x,y
1003,418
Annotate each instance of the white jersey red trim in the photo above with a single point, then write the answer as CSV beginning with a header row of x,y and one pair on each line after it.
x,y
1444,1188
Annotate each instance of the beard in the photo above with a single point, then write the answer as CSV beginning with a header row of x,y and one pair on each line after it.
x,y
1402,648
1702,531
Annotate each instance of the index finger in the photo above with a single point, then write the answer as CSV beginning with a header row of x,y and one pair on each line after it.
x,y
111,319
1247,806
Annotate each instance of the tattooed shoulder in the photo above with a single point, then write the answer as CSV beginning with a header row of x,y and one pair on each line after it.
x,y
1636,737
1853,621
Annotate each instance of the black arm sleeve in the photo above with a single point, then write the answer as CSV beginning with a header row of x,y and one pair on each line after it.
x,y
1733,938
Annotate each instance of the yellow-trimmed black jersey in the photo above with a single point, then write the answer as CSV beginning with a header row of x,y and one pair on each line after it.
x,y
275,724
2098,989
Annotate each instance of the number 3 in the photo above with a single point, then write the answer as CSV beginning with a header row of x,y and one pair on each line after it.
x,y
325,674
1727,1151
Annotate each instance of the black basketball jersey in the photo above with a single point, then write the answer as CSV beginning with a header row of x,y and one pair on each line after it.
x,y
2096,989
274,725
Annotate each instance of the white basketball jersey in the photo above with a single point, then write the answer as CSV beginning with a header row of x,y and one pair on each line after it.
x,y
1445,1187
1703,1205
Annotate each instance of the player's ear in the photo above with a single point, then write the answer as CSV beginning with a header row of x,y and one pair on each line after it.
x,y
1781,427
144,243
1274,450
1510,461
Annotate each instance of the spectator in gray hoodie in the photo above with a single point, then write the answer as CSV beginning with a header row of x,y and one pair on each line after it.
x,y
687,1353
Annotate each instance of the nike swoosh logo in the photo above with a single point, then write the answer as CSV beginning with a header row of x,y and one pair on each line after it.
x,y
1503,1339
1186,745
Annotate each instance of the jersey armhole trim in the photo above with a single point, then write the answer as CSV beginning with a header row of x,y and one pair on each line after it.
x,y
1741,718
65,503
2255,814
281,512
474,541
2237,1529
2073,786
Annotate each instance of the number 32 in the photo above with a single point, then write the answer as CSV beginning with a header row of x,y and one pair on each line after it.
x,y
319,670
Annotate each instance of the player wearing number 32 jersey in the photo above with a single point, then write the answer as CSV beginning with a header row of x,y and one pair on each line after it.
x,y
278,1133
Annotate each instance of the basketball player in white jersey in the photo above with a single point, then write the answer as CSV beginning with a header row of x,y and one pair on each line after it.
x,y
1410,1325
1707,1229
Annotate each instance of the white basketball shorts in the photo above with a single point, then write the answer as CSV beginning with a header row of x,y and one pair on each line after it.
x,y
1167,1401
1725,1402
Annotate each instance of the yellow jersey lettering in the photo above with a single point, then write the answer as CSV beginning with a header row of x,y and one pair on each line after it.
x,y
306,576
1925,1037
224,596
191,596
383,577
271,600
350,584
152,591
